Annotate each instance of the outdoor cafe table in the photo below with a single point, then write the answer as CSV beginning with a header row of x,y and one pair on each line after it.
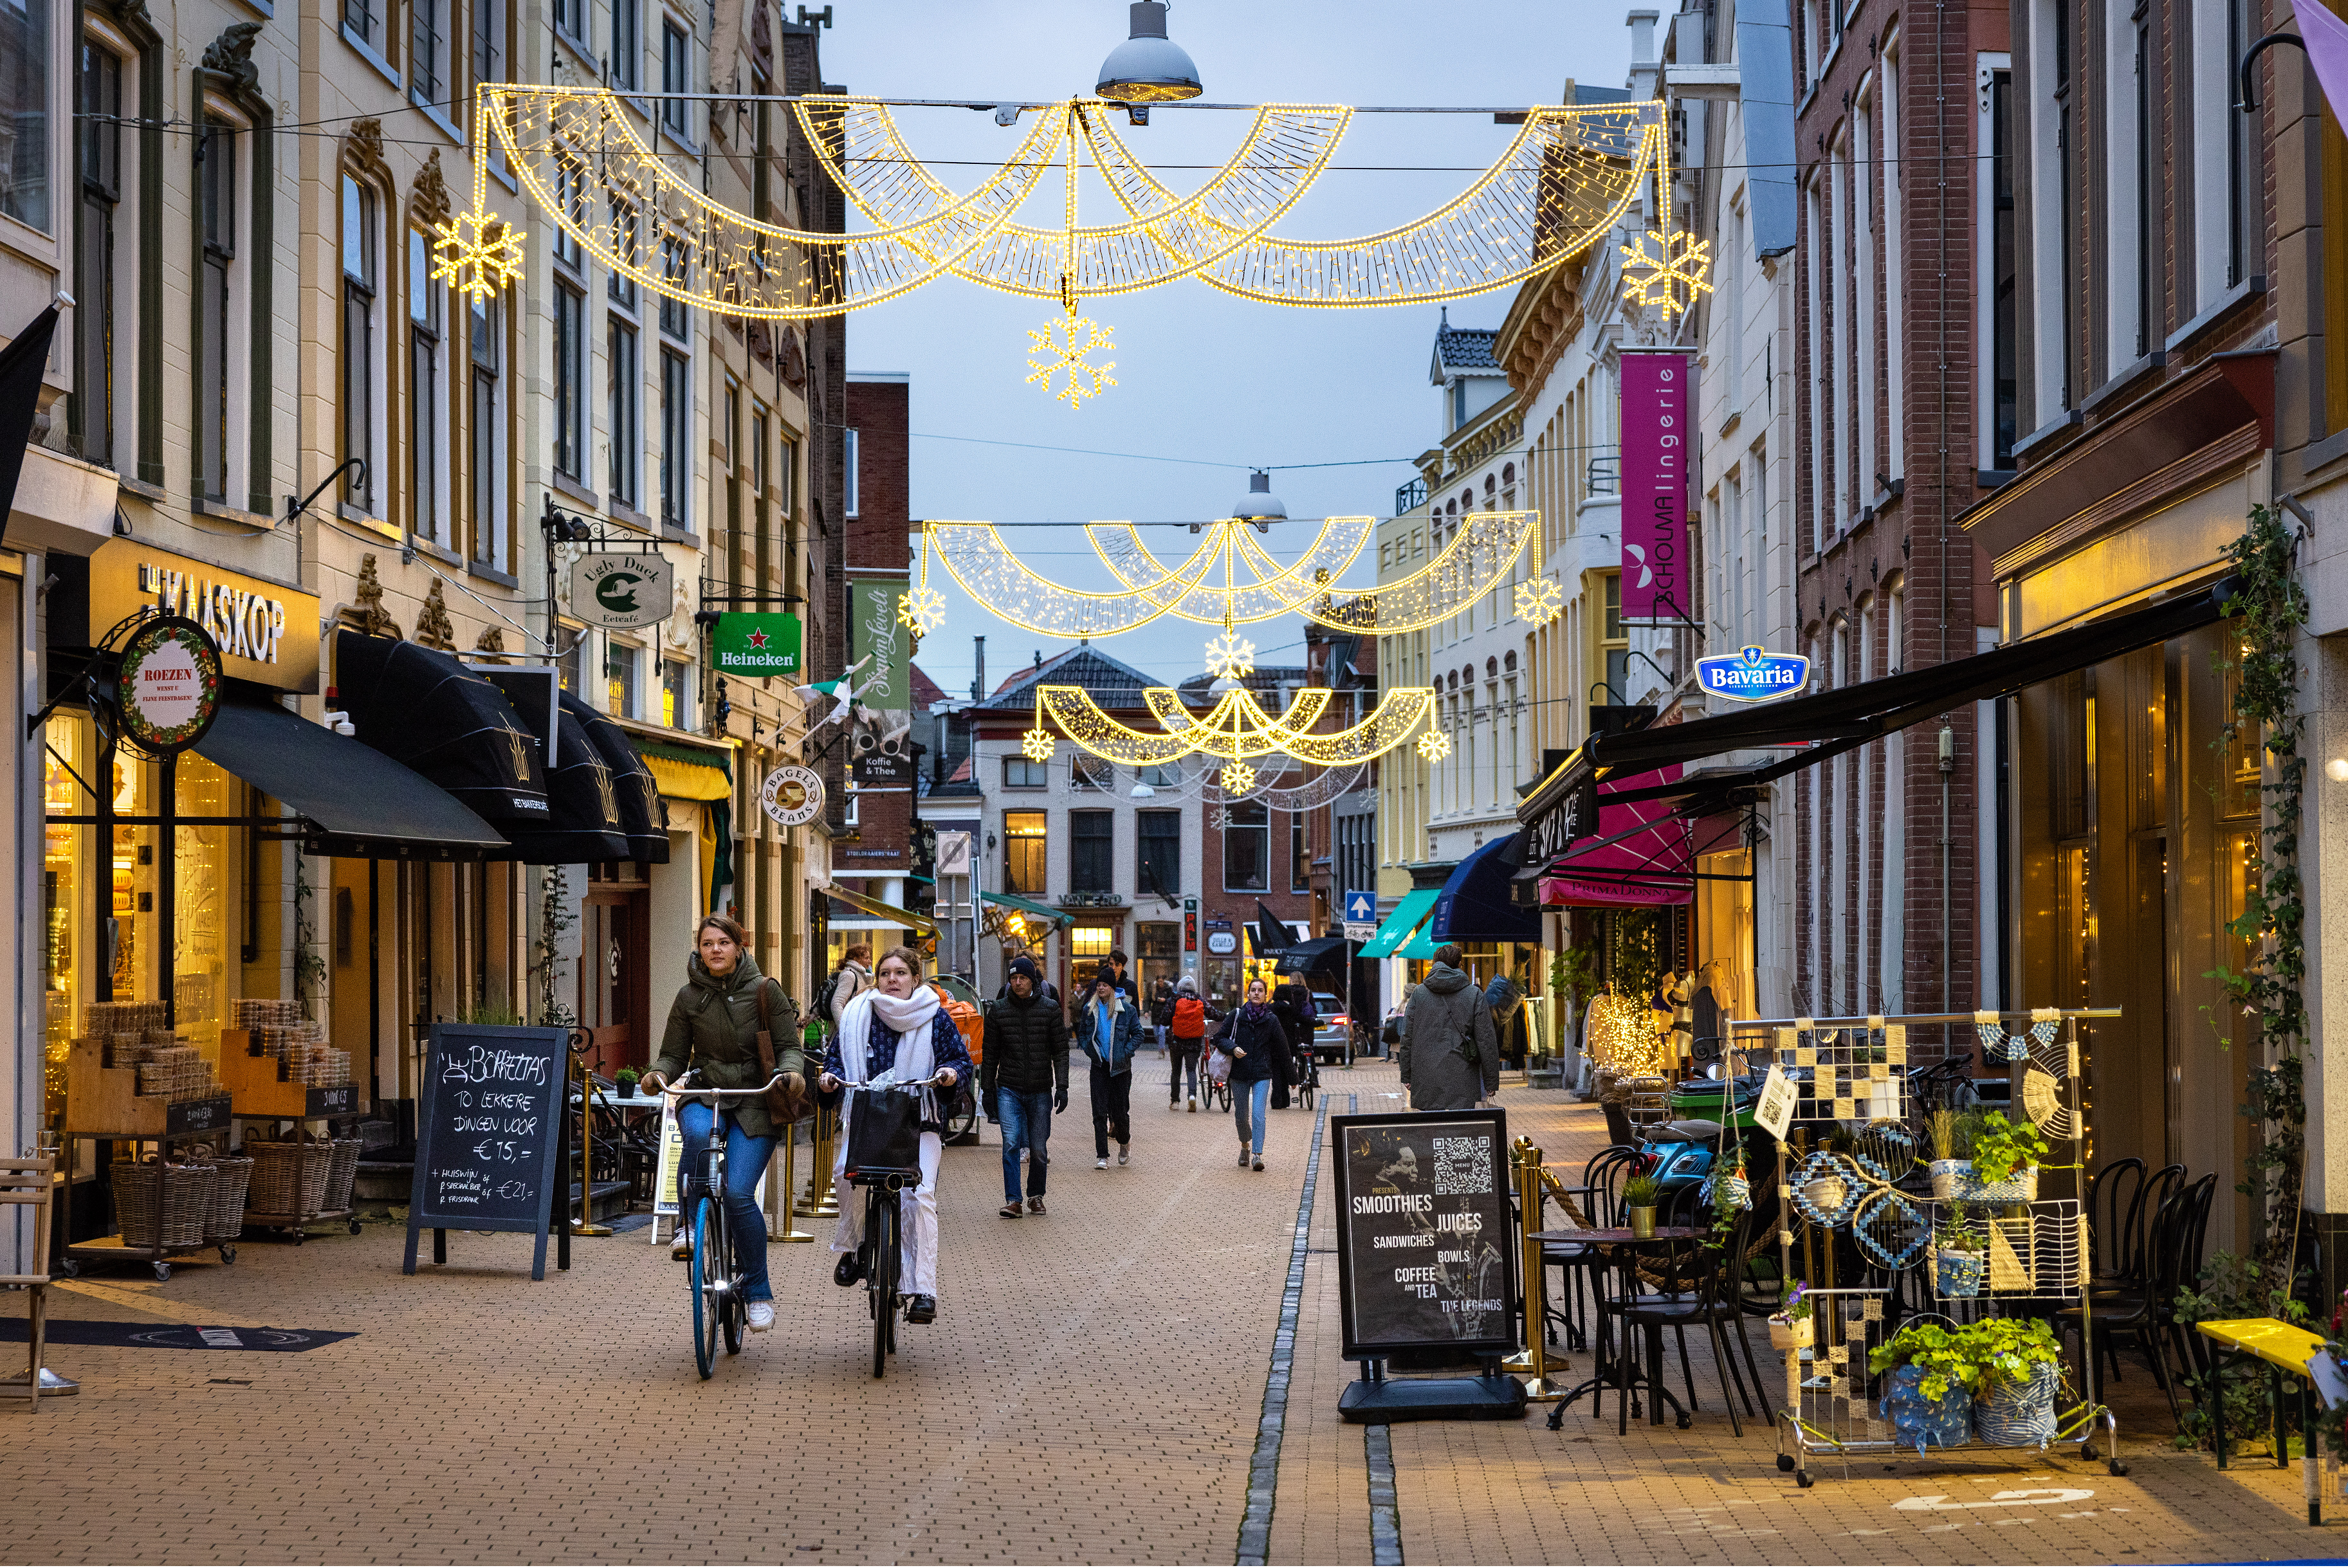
x,y
1624,1250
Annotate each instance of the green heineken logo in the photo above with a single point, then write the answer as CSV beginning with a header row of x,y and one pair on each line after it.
x,y
756,644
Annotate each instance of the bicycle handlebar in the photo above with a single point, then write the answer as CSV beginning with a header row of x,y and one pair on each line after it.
x,y
680,1092
909,1083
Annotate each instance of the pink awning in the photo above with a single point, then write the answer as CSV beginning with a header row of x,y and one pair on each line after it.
x,y
1642,858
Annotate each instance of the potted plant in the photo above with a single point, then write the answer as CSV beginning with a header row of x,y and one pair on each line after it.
x,y
2000,1163
1960,1255
1929,1396
2003,1371
627,1079
1640,1196
2014,1405
1794,1326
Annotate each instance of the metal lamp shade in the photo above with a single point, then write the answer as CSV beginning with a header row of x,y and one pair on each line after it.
x,y
1260,505
1148,67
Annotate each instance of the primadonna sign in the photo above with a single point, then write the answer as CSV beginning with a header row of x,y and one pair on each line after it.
x,y
1656,408
1753,675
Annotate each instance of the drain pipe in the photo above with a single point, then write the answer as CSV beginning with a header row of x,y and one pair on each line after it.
x,y
1947,774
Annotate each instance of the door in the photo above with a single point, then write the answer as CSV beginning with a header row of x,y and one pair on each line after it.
x,y
613,1001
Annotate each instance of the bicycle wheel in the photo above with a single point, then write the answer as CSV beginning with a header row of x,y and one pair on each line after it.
x,y
705,1299
881,1285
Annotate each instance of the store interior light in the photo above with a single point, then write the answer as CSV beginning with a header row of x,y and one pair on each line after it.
x,y
2337,770
1149,67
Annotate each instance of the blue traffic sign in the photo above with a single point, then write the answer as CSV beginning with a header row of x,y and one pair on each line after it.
x,y
1361,907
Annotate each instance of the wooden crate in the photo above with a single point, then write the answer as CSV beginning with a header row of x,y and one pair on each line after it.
x,y
256,1085
105,1099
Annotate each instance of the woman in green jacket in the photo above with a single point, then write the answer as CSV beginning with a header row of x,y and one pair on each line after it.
x,y
713,1029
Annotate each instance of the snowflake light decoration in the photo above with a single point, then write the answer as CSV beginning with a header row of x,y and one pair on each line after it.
x,y
1230,657
1539,600
1067,346
1434,745
476,255
921,612
1670,274
1038,744
1237,778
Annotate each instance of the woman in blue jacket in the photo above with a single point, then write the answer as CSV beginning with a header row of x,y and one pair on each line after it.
x,y
1109,1027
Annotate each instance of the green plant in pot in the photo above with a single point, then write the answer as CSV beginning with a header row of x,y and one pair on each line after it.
x,y
1994,1161
1960,1254
627,1079
2009,1369
1794,1326
1640,1196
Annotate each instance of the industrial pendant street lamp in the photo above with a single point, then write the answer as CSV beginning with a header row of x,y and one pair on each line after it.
x,y
1149,67
1260,505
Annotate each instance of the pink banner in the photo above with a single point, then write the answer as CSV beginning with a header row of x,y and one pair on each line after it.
x,y
1657,405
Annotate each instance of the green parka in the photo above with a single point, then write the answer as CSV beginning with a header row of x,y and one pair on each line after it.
x,y
713,1025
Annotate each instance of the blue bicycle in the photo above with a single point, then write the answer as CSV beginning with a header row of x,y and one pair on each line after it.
x,y
719,1310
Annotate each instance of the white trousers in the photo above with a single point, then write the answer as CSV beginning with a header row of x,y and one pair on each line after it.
x,y
917,1216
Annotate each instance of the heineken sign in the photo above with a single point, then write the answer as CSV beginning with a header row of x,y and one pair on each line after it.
x,y
621,590
1753,675
756,644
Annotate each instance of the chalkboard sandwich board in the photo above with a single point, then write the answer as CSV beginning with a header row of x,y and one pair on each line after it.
x,y
490,1136
1427,1256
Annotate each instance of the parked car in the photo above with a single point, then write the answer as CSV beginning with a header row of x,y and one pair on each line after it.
x,y
1333,1040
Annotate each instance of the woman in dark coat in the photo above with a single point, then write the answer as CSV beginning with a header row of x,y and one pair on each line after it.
x,y
1260,1053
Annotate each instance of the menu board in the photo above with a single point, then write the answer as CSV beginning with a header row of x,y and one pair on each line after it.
x,y
490,1134
1426,1254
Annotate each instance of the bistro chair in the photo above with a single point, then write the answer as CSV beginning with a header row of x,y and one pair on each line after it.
x,y
2113,1194
2146,1313
1684,1286
26,1183
1600,1199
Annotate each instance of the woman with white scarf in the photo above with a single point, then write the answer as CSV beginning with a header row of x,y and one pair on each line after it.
x,y
898,1023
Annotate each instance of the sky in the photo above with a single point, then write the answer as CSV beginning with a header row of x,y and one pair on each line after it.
x,y
1218,382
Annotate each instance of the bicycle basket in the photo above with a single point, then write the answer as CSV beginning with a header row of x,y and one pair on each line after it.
x,y
884,1134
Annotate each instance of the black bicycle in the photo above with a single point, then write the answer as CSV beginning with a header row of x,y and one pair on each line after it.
x,y
719,1310
883,1244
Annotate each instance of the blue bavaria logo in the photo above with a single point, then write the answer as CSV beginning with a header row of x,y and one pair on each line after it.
x,y
1753,675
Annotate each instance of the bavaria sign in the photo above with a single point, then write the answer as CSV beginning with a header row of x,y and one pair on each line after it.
x,y
1753,675
619,591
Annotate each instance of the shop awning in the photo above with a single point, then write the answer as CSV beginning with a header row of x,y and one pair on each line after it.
x,y
583,801
903,918
632,785
1639,859
424,709
1321,954
347,799
687,772
1475,907
1040,911
1396,927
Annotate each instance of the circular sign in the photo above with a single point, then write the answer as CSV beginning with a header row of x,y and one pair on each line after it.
x,y
792,794
170,687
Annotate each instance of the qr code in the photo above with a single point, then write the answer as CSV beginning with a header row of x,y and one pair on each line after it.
x,y
1462,1166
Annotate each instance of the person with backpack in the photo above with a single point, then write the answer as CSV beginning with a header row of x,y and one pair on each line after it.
x,y
854,975
1449,1055
1109,1029
1186,1025
1025,1079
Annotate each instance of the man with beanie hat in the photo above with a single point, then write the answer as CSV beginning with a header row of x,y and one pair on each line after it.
x,y
1025,1079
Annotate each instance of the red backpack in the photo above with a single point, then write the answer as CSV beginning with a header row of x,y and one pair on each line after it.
x,y
1190,1018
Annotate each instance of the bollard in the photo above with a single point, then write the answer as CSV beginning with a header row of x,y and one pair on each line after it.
x,y
789,1188
1533,1362
585,1224
821,1202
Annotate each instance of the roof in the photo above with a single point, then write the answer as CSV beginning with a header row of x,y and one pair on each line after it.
x,y
926,692
1265,680
1467,350
1112,682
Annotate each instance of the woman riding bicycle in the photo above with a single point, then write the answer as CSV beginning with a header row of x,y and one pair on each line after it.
x,y
712,1028
897,1024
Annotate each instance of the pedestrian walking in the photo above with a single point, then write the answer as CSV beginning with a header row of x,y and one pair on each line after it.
x,y
1259,1062
1506,1001
1025,1079
1014,951
1162,1009
854,975
1187,1029
1110,1031
1448,1054
1125,988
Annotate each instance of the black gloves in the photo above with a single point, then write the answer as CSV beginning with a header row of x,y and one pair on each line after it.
x,y
1060,1101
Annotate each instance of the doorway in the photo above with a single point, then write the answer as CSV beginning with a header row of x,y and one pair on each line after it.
x,y
615,1000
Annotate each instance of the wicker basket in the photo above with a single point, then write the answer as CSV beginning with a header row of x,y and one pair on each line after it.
x,y
342,1172
225,1221
289,1177
163,1205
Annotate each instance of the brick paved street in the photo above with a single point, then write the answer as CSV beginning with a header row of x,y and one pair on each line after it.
x,y
1093,1391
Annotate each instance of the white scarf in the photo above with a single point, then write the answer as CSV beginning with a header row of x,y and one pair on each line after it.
x,y
908,1016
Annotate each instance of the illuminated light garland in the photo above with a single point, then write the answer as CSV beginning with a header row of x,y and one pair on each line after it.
x,y
1231,657
1434,745
1038,744
1479,558
1235,729
1065,347
990,571
1539,600
1238,778
922,610
1624,1035
476,255
1270,589
1669,276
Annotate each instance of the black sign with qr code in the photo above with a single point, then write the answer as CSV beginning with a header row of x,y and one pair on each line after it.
x,y
1425,1244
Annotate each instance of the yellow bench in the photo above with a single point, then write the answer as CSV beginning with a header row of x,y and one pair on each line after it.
x,y
2284,1348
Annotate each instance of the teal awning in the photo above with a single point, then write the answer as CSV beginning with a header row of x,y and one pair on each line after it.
x,y
1407,916
1041,911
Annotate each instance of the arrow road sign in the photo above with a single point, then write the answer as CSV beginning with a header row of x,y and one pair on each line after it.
x,y
1362,907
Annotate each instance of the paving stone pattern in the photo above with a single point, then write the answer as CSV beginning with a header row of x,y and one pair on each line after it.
x,y
1091,1392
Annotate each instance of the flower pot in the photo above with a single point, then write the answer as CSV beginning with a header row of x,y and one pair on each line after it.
x,y
1920,1421
1643,1222
1954,1179
2020,1415
1737,1190
1792,1333
1957,1273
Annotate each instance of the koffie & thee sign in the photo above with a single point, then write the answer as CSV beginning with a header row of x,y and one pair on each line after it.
x,y
1424,1256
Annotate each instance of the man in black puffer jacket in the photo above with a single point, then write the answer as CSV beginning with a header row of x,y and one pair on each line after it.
x,y
1025,1079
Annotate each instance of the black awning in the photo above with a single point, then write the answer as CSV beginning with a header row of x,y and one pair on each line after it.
x,y
632,784
579,790
21,363
423,708
348,799
1321,956
1832,723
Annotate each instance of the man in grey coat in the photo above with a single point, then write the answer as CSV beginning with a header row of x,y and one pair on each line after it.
x,y
1442,1017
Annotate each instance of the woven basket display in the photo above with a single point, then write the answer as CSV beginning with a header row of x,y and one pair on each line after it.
x,y
288,1177
342,1172
231,1180
163,1205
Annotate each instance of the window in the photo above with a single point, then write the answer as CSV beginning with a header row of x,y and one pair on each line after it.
x,y
677,77
1895,265
620,286
1157,859
428,464
627,43
1247,847
488,41
2244,135
486,423
677,428
1458,402
1157,776
427,73
850,463
1092,861
24,69
674,320
2050,153
677,695
1019,773
619,678
1023,851
1090,941
571,667
570,192
790,477
625,385
569,381
358,341
216,186
95,393
2004,355
359,20
1613,640
1300,857
1815,247
1089,773
571,18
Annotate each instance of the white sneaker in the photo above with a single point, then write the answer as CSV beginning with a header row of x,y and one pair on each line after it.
x,y
1101,1163
1125,1153
762,1316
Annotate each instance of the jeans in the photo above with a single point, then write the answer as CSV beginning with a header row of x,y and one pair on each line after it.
x,y
1112,1108
1259,1092
1183,1059
1026,1120
746,1162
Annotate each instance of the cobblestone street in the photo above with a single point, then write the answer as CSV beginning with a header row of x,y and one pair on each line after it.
x,y
1094,1389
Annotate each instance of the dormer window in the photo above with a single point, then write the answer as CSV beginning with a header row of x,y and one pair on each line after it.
x,y
1459,401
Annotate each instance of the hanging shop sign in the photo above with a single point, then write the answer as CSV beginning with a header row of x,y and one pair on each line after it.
x,y
170,686
265,633
623,590
1655,402
1221,942
1426,1257
792,794
757,643
1753,675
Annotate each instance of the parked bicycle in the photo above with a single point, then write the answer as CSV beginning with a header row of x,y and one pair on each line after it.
x,y
719,1309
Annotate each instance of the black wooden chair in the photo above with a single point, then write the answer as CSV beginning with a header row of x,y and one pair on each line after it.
x,y
1598,1197
1682,1286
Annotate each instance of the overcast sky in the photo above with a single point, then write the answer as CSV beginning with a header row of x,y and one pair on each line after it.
x,y
1219,382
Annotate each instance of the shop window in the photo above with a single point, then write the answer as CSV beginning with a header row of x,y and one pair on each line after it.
x,y
1159,857
1023,845
1092,841
620,676
1090,942
1247,848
